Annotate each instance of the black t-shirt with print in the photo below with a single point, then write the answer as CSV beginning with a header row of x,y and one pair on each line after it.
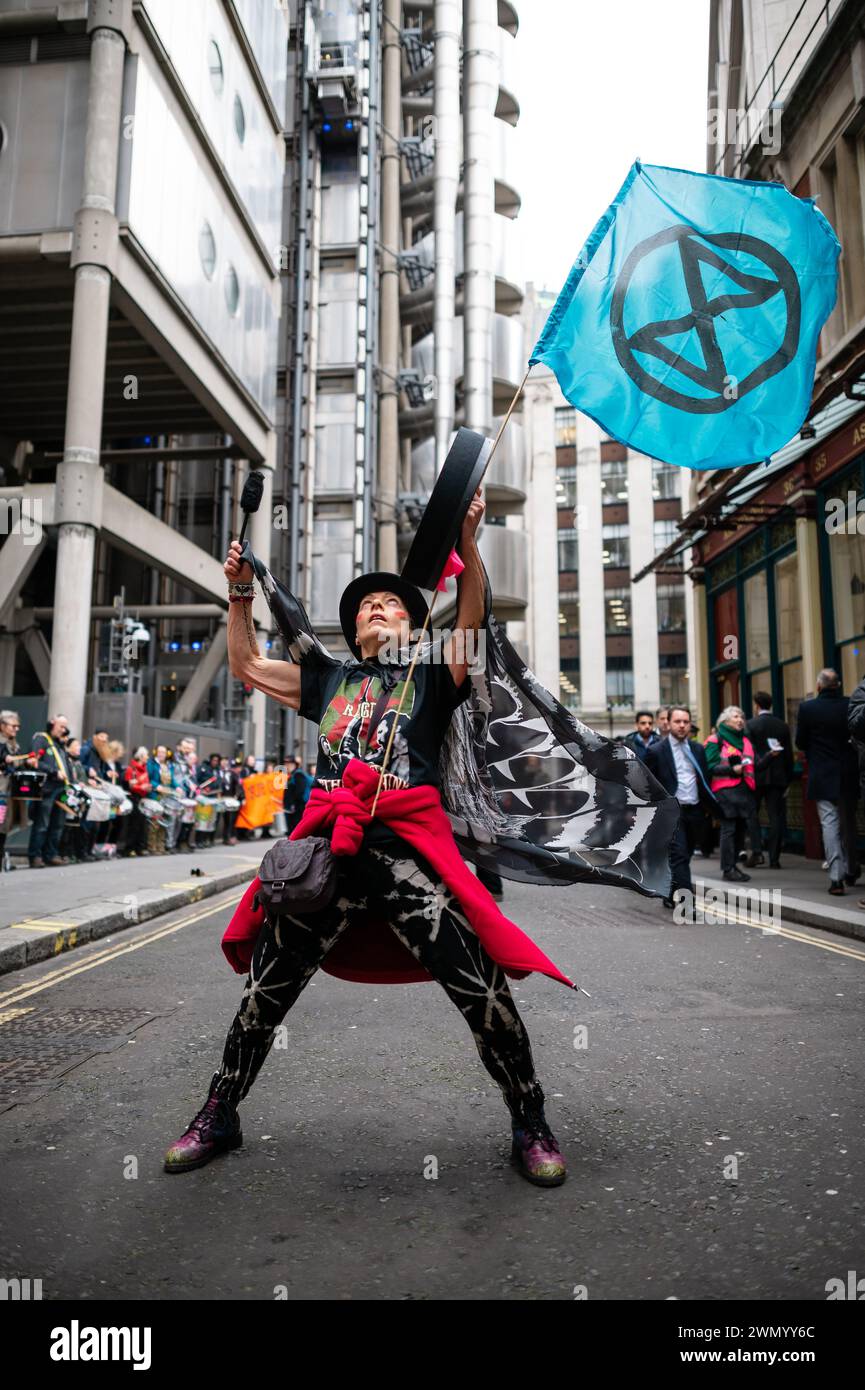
x,y
341,698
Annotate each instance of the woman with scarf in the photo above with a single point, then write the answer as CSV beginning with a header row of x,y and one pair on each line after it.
x,y
730,756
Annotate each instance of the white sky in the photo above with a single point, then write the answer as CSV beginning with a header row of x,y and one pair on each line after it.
x,y
601,83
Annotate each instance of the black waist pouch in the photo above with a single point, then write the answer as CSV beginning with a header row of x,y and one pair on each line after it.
x,y
297,876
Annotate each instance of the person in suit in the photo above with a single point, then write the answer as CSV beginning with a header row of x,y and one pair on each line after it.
x,y
823,736
681,768
773,773
643,737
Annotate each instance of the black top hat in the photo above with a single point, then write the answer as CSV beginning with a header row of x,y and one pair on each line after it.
x,y
366,584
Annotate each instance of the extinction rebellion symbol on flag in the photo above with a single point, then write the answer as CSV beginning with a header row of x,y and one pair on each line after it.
x,y
699,326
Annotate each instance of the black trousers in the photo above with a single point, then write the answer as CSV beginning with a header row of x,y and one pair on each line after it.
x,y
776,812
428,919
690,833
738,810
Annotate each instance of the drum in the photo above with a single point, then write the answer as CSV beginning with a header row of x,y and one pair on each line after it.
x,y
445,511
27,786
230,803
100,805
150,808
187,810
205,813
75,800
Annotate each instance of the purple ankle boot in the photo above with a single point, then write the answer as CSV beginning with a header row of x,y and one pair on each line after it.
x,y
535,1151
215,1129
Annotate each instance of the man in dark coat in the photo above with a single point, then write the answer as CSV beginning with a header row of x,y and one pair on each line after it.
x,y
681,768
643,737
822,734
773,772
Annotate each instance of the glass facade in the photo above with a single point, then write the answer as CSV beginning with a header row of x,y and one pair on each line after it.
x,y
844,556
617,612
566,427
620,681
664,534
666,480
617,547
671,607
614,482
754,626
569,551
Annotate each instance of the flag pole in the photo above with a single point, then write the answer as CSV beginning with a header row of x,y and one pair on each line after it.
x,y
426,621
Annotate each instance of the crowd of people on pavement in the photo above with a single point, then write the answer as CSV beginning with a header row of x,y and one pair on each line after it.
x,y
747,764
84,801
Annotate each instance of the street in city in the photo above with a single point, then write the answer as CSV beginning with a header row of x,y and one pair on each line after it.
x,y
708,1050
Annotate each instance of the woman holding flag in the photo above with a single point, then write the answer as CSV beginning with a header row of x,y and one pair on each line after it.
x,y
398,861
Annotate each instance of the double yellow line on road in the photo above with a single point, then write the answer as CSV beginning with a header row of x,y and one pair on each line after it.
x,y
65,971
857,953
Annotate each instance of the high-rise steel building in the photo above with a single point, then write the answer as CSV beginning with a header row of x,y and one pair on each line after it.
x,y
234,234
406,285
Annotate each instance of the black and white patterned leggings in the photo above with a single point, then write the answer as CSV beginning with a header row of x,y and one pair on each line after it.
x,y
428,919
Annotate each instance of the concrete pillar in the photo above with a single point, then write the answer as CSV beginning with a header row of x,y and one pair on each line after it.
x,y
810,606
261,537
540,520
593,646
78,509
446,106
644,600
696,618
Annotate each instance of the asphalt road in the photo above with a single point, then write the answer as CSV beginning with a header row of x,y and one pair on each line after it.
x,y
704,1044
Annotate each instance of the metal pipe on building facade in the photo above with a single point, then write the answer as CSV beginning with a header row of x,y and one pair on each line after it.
x,y
389,327
446,108
480,91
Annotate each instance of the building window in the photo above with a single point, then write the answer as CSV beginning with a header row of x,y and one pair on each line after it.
x,y
239,119
757,647
569,688
846,547
569,617
620,681
207,250
617,612
566,427
568,550
232,290
665,533
674,679
666,480
671,607
616,547
788,635
566,488
614,482
214,65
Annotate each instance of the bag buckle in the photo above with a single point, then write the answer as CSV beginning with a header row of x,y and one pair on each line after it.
x,y
278,883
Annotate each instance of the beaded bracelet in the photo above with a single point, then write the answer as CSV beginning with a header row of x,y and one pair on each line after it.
x,y
241,593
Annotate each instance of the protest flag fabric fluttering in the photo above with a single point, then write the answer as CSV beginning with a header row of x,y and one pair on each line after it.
x,y
689,323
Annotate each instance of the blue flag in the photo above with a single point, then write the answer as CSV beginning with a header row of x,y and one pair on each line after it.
x,y
688,325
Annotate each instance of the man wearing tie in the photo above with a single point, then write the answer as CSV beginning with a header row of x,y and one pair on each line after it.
x,y
680,766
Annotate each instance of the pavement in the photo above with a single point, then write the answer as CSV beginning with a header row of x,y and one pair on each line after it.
x,y
797,893
708,1097
44,912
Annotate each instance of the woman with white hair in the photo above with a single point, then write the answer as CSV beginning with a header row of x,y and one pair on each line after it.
x,y
730,756
138,785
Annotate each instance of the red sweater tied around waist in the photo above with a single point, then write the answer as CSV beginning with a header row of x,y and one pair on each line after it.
x,y
368,951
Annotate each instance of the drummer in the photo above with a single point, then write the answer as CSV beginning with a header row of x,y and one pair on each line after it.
x,y
355,705
52,759
12,759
